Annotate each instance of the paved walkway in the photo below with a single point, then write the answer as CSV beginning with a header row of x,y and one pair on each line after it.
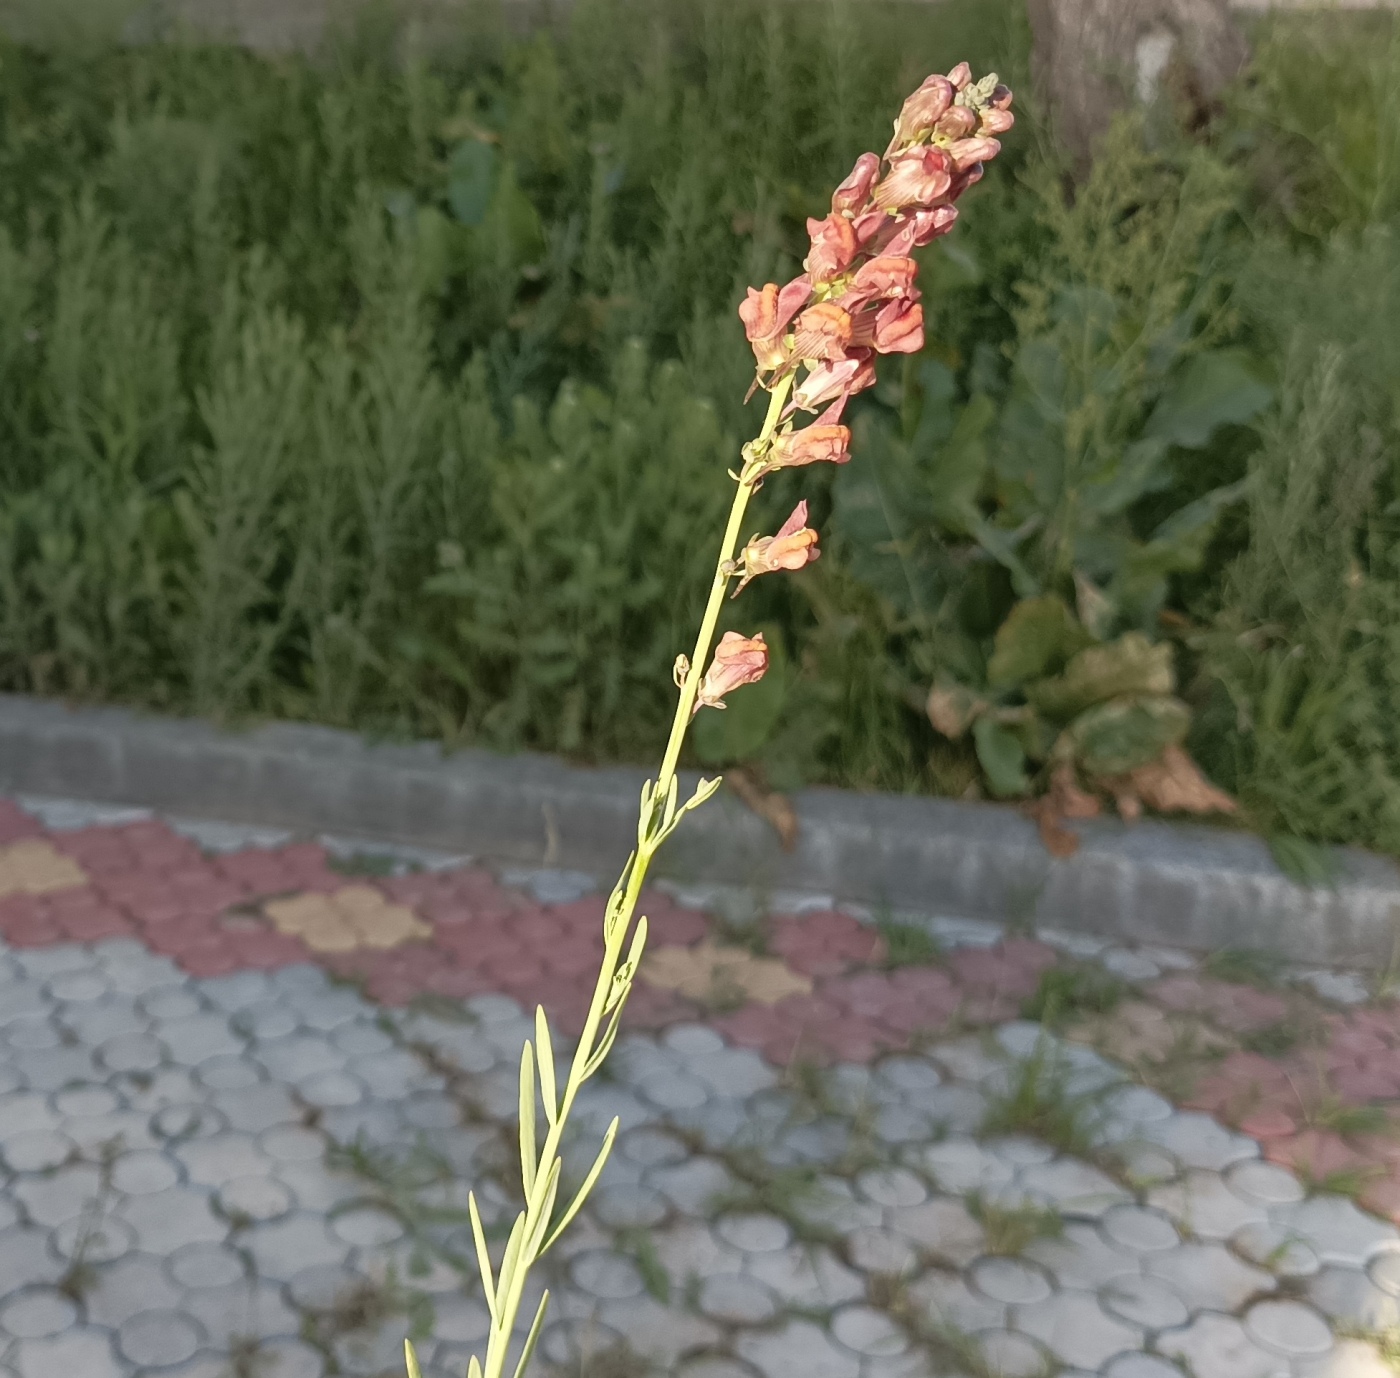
x,y
245,1082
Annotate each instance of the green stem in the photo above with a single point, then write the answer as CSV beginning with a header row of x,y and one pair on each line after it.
x,y
508,1306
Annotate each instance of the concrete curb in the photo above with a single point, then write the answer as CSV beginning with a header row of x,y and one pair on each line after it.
x,y
1153,882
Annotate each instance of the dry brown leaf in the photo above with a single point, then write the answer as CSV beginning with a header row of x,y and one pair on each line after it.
x,y
952,709
1173,783
768,804
1064,799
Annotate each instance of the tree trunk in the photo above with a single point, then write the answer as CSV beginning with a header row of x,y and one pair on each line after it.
x,y
1093,58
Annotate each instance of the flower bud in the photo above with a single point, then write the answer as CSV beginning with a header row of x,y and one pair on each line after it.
x,y
738,660
958,123
996,121
921,112
854,192
966,152
961,76
833,247
793,548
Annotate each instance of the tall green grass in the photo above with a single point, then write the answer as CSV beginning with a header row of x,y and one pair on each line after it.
x,y
393,388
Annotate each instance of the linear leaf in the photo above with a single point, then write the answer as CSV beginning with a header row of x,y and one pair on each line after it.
x,y
528,1352
593,1173
411,1360
527,1117
544,1050
483,1256
512,1255
474,1367
531,1248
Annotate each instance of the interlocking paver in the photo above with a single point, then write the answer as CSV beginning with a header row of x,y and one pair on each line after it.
x,y
286,1161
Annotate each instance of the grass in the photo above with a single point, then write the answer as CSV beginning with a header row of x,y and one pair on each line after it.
x,y
1067,994
1011,1230
394,394
1037,1101
1245,967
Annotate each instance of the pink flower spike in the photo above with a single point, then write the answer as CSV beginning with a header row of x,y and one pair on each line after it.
x,y
738,660
793,548
916,178
854,192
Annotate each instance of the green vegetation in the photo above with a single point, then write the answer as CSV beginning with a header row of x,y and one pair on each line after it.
x,y
394,392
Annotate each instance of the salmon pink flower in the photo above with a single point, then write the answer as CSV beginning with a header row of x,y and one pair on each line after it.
x,y
738,660
921,228
997,121
822,331
916,178
961,76
828,381
957,123
921,112
885,277
899,328
854,192
767,315
793,548
834,247
965,153
818,443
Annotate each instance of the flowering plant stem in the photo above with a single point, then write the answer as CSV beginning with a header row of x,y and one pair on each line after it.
x,y
531,1234
856,300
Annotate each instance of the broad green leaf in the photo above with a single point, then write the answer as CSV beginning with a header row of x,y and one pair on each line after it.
x,y
1128,667
1214,389
1037,638
1142,469
739,731
1002,758
471,179
1116,737
544,1051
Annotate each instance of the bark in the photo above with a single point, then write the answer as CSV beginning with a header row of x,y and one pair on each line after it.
x,y
1093,58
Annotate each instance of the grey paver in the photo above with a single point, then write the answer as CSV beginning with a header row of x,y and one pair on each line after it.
x,y
605,1274
1275,1248
98,1239
691,1186
798,1349
1208,1276
1072,1187
737,1300
164,1221
253,1109
1148,1302
754,1233
143,1172
1142,1231
255,1198
883,1252
1215,1346
942,1227
282,1248
1337,1230
128,1287
238,1309
1288,1328
52,1198
25,1259
1349,1296
212,1161
1010,1355
1266,1183
158,1338
1196,1140
85,1351
1010,1281
945,1299
661,1334
894,1187
866,1331
1076,1329
806,1276
1206,1206
38,1313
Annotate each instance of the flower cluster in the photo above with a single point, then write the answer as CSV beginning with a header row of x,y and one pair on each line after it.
x,y
819,335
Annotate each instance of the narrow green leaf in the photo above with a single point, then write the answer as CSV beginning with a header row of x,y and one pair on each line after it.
x,y
527,1117
474,1367
483,1256
530,1249
609,1037
512,1256
593,1174
528,1352
544,1050
411,1360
